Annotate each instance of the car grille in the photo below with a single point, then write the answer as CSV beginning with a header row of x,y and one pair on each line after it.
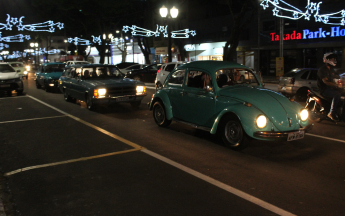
x,y
121,91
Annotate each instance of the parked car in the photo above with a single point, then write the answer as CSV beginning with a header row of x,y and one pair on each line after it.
x,y
133,67
297,82
147,74
163,72
101,84
125,64
10,79
207,95
48,74
70,63
20,66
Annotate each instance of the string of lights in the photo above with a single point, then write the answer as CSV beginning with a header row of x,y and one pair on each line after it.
x,y
48,26
285,10
18,54
138,31
15,38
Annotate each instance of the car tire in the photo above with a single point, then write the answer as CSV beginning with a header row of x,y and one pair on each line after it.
x,y
232,133
66,96
46,87
135,104
159,115
137,78
89,104
38,85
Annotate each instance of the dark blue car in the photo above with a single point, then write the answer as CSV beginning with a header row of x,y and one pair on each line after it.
x,y
48,74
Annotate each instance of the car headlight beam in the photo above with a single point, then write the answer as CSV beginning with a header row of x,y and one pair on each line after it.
x,y
141,90
304,114
261,121
99,93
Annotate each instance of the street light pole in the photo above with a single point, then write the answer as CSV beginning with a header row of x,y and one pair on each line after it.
x,y
173,14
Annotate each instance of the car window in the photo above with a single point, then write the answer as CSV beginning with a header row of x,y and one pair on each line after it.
x,y
5,68
169,67
101,72
305,74
54,68
234,76
177,77
313,75
198,79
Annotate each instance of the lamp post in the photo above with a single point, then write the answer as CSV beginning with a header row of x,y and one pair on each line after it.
x,y
35,45
173,14
108,42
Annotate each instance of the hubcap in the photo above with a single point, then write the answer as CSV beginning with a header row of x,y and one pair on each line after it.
x,y
233,133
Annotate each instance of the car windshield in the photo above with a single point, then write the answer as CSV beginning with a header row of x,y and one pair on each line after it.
x,y
54,68
5,68
17,65
235,76
105,72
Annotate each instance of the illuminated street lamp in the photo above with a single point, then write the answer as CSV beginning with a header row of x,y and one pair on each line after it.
x,y
36,52
173,14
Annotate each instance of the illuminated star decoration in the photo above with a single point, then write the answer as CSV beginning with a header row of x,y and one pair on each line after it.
x,y
3,46
138,31
15,38
48,26
285,10
79,41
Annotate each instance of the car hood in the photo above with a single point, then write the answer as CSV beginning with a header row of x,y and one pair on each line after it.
x,y
7,75
278,108
111,82
53,75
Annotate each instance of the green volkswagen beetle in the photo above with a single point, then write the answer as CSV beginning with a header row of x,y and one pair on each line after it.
x,y
212,96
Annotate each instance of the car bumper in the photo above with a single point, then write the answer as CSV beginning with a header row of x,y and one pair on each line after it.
x,y
280,135
11,86
120,99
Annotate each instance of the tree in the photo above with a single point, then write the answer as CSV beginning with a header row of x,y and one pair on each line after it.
x,y
240,21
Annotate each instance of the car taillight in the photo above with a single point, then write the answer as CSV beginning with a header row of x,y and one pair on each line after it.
x,y
292,81
159,70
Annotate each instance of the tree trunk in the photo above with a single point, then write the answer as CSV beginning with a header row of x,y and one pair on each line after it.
x,y
145,48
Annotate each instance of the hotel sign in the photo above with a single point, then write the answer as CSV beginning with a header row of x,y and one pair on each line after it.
x,y
307,34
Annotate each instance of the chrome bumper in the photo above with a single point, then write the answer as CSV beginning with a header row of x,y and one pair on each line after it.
x,y
274,134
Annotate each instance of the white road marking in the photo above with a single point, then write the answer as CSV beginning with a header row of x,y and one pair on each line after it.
x,y
327,138
21,120
221,185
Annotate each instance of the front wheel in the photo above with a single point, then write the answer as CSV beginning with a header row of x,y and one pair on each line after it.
x,y
232,133
38,85
66,96
159,115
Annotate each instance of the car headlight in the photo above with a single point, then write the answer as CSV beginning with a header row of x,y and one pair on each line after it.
x,y
99,93
261,121
304,114
25,72
27,68
141,90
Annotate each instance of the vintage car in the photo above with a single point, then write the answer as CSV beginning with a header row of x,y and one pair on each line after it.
x,y
48,74
209,95
100,84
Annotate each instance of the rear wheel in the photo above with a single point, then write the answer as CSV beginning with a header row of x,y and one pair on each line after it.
x,y
159,115
232,133
66,96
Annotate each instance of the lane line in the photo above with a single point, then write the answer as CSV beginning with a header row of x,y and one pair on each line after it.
x,y
327,138
134,145
68,161
221,185
32,119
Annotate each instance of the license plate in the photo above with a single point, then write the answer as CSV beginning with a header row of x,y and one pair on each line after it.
x,y
295,135
122,99
5,86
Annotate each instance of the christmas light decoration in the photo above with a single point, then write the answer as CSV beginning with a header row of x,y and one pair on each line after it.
x,y
79,41
48,26
18,54
15,38
285,10
3,46
138,31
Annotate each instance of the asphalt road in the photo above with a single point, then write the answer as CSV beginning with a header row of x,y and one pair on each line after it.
x,y
58,158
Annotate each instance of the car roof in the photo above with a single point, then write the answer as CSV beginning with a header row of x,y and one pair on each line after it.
x,y
212,65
